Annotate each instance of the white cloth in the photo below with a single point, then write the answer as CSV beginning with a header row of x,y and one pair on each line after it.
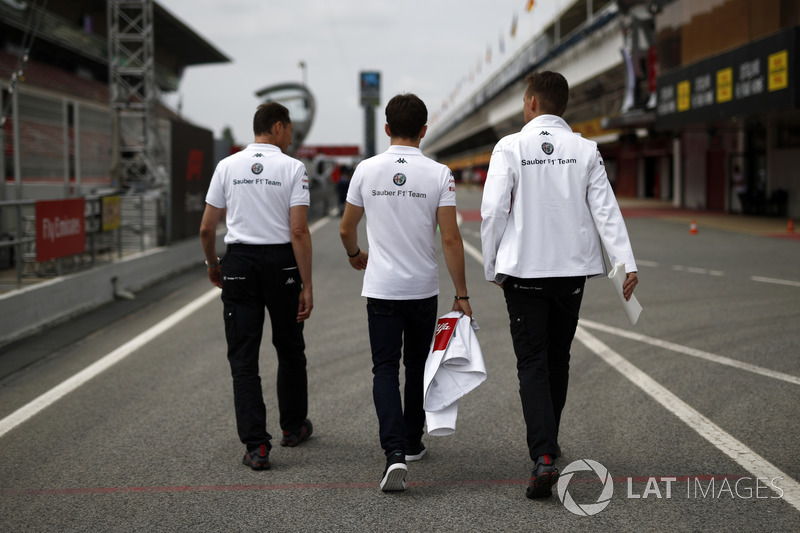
x,y
547,204
401,191
454,367
256,187
631,307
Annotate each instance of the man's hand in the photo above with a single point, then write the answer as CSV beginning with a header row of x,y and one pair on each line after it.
x,y
631,280
215,276
463,306
305,305
359,262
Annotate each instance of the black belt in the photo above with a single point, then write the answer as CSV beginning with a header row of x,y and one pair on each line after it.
x,y
258,247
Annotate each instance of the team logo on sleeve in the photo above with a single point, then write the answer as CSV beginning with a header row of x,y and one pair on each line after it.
x,y
600,158
399,179
547,148
257,168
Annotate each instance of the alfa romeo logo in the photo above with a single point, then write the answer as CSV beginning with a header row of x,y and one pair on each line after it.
x,y
399,179
257,168
585,509
547,148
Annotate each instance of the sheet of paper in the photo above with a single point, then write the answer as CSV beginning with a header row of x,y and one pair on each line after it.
x,y
631,307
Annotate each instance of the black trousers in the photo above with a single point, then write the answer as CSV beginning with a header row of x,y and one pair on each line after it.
x,y
391,323
544,315
255,278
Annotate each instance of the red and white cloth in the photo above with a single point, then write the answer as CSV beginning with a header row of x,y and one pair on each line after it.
x,y
454,367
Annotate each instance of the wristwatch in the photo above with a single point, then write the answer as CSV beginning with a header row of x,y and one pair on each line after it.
x,y
215,265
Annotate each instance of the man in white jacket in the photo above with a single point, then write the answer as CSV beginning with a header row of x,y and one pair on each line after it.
x,y
547,206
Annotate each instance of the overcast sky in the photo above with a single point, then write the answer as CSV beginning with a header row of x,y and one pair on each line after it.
x,y
428,47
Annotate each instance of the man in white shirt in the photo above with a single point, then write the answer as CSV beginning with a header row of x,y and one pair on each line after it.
x,y
264,196
547,206
404,195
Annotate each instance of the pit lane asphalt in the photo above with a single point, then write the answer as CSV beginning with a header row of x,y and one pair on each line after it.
x,y
150,444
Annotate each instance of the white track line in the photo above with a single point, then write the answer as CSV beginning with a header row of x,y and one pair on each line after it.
x,y
59,391
474,252
776,281
741,454
47,399
727,444
691,351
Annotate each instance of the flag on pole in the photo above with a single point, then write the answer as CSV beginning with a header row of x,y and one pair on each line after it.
x,y
514,26
530,5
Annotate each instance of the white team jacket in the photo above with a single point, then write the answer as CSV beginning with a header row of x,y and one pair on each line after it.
x,y
454,367
547,204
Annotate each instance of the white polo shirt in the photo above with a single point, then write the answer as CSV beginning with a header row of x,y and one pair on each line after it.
x,y
257,186
400,191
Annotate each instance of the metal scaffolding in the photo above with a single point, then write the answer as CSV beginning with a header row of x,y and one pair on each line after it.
x,y
134,95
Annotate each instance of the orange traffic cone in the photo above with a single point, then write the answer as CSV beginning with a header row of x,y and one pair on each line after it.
x,y
693,228
790,226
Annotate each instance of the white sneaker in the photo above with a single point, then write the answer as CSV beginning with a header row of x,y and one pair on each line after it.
x,y
415,453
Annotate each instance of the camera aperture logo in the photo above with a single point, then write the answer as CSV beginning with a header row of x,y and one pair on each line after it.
x,y
585,509
660,487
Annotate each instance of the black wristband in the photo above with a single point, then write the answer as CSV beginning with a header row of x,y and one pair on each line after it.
x,y
355,254
461,298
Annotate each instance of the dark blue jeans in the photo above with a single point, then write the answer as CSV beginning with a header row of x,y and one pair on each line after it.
x,y
254,279
392,322
544,315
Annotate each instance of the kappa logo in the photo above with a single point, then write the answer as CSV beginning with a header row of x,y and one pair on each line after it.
x,y
399,179
577,291
545,132
401,160
258,154
290,281
547,148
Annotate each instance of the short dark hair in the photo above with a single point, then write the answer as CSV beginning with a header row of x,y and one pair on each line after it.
x,y
267,115
551,90
406,115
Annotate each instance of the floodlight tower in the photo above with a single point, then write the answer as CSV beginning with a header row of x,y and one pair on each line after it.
x,y
133,94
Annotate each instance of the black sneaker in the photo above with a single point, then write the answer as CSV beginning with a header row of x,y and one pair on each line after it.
x,y
415,453
394,476
543,476
257,458
293,438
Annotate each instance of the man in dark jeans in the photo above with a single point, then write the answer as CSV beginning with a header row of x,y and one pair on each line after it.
x,y
404,195
267,265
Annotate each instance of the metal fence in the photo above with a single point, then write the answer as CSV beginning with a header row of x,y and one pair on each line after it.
x,y
139,230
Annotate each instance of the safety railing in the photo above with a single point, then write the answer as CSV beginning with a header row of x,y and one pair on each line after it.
x,y
113,225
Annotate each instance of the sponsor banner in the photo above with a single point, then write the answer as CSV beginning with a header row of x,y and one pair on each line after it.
x,y
112,213
192,167
60,228
750,80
